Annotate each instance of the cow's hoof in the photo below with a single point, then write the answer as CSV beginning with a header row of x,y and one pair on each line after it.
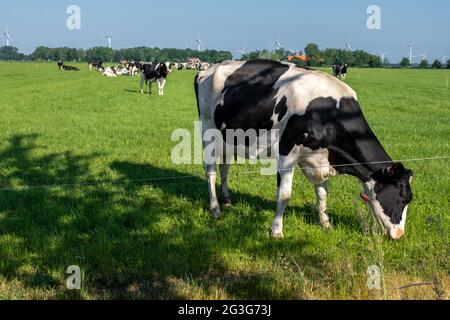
x,y
226,202
326,225
227,205
216,212
276,234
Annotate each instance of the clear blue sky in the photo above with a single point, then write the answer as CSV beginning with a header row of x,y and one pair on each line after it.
x,y
232,24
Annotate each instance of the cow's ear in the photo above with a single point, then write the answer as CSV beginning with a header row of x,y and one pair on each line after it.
x,y
396,170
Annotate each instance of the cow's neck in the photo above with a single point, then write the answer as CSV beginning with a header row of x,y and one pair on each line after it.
x,y
360,156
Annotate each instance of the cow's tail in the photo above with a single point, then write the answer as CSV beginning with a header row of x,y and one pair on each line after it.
x,y
196,94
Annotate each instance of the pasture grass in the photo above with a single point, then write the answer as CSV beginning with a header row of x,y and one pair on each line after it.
x,y
157,240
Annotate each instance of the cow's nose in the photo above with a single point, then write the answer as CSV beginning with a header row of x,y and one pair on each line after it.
x,y
397,233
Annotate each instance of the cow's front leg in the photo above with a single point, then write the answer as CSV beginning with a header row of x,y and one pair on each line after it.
x,y
321,193
211,174
161,84
285,177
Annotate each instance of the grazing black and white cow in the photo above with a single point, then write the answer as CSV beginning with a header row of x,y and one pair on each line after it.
x,y
340,70
320,127
98,65
154,72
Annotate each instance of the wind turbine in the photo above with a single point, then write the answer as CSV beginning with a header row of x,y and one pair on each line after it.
x,y
242,51
200,43
423,56
348,47
383,55
410,46
278,45
8,36
109,41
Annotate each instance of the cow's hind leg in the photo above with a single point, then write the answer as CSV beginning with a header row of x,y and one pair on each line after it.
x,y
225,199
150,85
142,83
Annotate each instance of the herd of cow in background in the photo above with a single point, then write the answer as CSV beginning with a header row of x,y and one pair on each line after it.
x,y
157,71
149,71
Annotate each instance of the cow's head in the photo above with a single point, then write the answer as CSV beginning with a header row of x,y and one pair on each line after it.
x,y
163,70
388,195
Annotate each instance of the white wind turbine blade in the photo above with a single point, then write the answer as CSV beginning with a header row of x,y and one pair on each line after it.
x,y
8,36
279,46
423,56
200,43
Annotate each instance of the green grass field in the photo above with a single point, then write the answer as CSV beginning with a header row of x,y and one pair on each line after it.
x,y
157,240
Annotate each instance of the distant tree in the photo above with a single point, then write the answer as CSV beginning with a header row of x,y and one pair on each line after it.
x,y
405,63
313,53
265,54
374,61
11,53
448,64
436,64
278,55
100,53
423,64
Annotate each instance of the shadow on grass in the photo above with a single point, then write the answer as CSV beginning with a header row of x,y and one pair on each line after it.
x,y
146,240
132,91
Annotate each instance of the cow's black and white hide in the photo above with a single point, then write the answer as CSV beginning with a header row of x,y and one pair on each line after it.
x,y
60,64
154,72
320,127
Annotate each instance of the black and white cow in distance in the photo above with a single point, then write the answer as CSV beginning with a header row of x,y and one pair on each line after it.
x,y
320,126
133,67
98,65
154,72
340,70
64,67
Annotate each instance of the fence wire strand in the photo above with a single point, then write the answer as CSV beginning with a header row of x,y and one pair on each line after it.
x,y
174,178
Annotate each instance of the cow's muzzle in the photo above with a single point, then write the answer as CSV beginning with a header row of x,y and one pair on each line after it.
x,y
396,232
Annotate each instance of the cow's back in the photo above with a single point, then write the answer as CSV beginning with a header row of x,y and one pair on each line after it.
x,y
260,94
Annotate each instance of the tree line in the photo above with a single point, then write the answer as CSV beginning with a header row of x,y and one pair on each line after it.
x,y
316,56
329,56
110,55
